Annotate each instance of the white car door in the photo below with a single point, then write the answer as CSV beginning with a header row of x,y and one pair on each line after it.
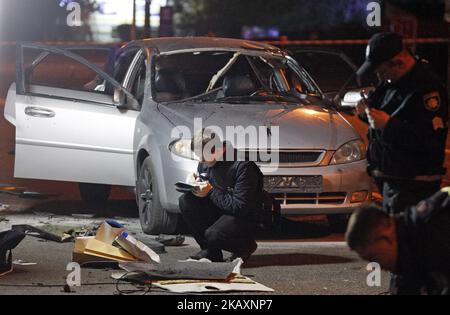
x,y
67,134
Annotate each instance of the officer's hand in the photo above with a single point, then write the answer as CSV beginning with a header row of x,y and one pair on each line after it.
x,y
204,190
377,118
361,108
192,179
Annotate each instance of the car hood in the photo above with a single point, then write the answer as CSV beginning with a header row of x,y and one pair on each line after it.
x,y
300,126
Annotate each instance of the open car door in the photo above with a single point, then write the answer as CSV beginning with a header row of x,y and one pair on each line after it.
x,y
331,69
70,128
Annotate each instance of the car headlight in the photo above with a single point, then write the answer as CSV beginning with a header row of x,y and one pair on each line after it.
x,y
182,147
350,152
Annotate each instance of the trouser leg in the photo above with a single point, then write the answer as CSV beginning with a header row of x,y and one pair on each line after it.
x,y
232,234
199,214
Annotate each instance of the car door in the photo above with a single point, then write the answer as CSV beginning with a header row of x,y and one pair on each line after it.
x,y
68,131
335,73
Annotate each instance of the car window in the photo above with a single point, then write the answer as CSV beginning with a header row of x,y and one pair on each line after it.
x,y
330,71
59,71
220,74
138,85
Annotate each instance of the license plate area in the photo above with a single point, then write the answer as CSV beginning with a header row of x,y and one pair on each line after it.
x,y
292,184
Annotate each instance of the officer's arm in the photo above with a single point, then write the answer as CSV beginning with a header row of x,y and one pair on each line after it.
x,y
428,128
244,195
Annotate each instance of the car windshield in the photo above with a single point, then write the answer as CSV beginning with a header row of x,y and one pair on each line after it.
x,y
228,77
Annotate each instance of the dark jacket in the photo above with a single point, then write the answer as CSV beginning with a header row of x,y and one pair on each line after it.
x,y
413,142
237,188
423,236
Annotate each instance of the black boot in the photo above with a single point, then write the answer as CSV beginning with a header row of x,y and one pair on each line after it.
x,y
215,255
244,253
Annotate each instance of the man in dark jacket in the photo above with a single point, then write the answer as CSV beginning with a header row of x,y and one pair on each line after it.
x,y
408,117
223,214
414,245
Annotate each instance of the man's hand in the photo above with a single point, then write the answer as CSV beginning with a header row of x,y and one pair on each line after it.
x,y
377,118
205,189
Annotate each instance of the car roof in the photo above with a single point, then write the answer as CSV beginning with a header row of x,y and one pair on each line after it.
x,y
171,44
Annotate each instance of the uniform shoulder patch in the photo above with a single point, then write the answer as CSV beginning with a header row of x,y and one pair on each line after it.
x,y
432,101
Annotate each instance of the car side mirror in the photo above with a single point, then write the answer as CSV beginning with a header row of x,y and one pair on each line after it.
x,y
119,98
351,99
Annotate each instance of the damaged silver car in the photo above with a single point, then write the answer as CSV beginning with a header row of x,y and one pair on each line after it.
x,y
125,125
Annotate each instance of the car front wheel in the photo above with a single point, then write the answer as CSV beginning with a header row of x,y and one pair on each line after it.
x,y
154,219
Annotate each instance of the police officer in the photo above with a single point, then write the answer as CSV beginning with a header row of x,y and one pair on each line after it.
x,y
407,114
224,213
414,245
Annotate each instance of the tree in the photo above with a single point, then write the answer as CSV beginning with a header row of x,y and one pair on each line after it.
x,y
298,17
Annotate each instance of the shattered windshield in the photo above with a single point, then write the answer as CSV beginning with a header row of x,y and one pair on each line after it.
x,y
229,77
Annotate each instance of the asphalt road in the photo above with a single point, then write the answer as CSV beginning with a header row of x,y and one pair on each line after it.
x,y
305,259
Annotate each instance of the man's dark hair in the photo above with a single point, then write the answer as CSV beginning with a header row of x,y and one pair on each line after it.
x,y
363,222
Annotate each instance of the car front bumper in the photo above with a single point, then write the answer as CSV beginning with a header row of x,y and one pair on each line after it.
x,y
340,182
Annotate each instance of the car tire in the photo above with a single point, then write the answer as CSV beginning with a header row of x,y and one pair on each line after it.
x,y
94,194
338,222
154,219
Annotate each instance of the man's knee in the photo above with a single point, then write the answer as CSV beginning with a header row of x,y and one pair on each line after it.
x,y
187,202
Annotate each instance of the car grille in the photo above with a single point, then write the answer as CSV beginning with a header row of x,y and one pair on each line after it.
x,y
284,157
329,198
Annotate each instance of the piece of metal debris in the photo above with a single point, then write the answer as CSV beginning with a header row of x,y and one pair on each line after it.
x,y
170,240
20,262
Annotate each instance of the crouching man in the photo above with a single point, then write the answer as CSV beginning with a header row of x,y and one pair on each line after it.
x,y
223,214
414,245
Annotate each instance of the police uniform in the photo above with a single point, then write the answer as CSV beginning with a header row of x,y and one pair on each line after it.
x,y
226,219
406,157
423,238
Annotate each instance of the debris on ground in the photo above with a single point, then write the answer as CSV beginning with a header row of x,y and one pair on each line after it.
x,y
190,277
20,262
3,207
198,270
171,240
137,248
111,243
47,231
8,241
56,233
239,283
2,219
156,246
22,192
